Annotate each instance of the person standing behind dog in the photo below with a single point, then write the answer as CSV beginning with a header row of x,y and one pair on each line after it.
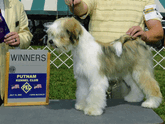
x,y
19,36
110,19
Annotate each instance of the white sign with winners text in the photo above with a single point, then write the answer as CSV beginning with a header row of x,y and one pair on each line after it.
x,y
27,77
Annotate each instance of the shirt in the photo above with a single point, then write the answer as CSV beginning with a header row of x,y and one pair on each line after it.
x,y
110,19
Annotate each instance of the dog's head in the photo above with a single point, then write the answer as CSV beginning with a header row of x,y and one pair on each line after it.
x,y
64,33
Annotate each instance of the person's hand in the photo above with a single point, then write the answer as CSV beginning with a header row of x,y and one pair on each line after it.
x,y
70,2
137,31
12,39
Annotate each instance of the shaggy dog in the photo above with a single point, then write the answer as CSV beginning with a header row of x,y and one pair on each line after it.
x,y
96,63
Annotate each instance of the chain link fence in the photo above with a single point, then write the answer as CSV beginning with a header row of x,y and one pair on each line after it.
x,y
66,59
159,57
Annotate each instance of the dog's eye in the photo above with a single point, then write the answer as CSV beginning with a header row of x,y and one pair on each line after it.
x,y
67,31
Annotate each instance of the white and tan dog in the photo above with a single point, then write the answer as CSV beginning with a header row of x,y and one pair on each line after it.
x,y
95,64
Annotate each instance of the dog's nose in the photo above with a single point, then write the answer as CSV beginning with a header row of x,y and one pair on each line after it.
x,y
50,41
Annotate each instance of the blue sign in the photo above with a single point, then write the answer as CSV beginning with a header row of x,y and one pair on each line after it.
x,y
28,85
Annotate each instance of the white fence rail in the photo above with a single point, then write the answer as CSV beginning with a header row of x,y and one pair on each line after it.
x,y
63,58
161,60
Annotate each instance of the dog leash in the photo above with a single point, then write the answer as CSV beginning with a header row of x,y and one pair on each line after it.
x,y
73,8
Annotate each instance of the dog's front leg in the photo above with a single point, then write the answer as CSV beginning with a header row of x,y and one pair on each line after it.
x,y
81,93
96,99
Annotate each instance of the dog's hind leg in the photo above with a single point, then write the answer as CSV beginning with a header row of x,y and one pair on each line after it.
x,y
81,93
150,88
136,94
96,100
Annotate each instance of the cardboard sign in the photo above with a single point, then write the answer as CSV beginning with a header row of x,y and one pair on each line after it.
x,y
27,77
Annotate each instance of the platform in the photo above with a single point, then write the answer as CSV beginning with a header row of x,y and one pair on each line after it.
x,y
63,112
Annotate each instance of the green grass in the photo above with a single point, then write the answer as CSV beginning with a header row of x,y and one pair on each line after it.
x,y
63,84
160,77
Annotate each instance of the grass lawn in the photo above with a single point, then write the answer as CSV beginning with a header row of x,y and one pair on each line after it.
x,y
63,84
160,77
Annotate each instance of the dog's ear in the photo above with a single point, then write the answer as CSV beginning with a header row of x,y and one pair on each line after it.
x,y
73,29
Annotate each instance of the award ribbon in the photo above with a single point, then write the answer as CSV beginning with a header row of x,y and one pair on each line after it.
x,y
3,28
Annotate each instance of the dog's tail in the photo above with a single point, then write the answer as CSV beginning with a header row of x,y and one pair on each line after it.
x,y
118,44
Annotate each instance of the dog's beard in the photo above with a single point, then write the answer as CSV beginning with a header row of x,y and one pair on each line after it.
x,y
66,48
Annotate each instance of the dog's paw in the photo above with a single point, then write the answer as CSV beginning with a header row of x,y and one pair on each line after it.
x,y
79,106
93,111
133,98
153,102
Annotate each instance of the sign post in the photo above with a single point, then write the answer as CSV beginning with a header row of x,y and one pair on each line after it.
x,y
27,77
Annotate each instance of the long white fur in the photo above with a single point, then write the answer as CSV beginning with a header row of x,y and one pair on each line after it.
x,y
86,66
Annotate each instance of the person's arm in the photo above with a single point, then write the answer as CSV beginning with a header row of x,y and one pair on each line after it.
x,y
155,31
24,32
80,7
23,36
152,19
